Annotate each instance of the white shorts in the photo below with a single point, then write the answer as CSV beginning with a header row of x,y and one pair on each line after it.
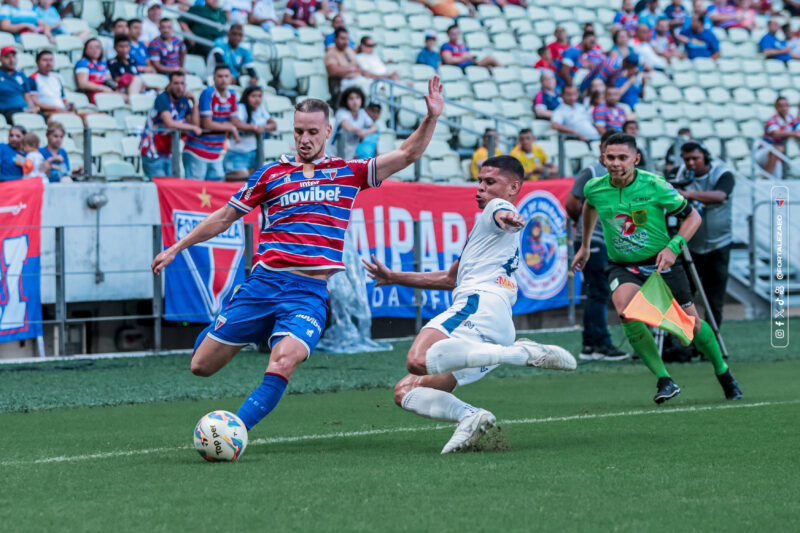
x,y
480,317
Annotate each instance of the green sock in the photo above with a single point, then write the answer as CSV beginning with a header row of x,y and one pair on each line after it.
x,y
645,345
707,343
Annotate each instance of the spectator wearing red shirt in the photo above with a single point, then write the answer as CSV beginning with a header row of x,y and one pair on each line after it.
x,y
91,72
561,43
545,59
777,130
455,53
300,13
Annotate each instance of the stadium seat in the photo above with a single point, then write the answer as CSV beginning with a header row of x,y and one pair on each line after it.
x,y
670,94
477,41
486,90
476,74
743,95
29,121
116,170
450,73
155,81
134,124
109,102
33,42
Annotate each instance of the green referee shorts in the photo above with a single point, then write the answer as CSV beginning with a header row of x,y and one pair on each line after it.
x,y
675,278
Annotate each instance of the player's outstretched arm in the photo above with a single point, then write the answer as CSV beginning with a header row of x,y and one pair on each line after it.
x,y
509,221
211,226
413,147
441,280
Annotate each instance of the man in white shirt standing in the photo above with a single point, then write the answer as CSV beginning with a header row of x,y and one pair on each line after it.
x,y
466,342
572,117
49,96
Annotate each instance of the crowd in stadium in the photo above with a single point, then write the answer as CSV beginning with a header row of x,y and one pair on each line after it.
x,y
584,89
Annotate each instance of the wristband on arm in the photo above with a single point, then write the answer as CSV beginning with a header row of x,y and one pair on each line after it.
x,y
676,244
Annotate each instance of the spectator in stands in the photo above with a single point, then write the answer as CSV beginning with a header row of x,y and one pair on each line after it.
x,y
662,41
595,98
341,64
210,11
336,23
446,8
47,92
300,13
123,71
651,14
13,163
482,153
643,47
138,53
183,5
532,156
202,156
372,66
699,42
119,27
673,158
792,40
573,118
781,127
167,52
48,14
560,45
150,24
353,124
747,15
173,109
16,20
16,89
545,60
228,52
238,11
631,127
676,14
631,81
698,9
771,46
584,55
91,72
610,115
710,184
607,70
724,15
36,167
240,160
430,55
369,146
263,14
626,19
332,7
547,99
55,156
792,6
455,53
622,46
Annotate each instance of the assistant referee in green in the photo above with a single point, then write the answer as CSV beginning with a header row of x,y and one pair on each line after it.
x,y
633,206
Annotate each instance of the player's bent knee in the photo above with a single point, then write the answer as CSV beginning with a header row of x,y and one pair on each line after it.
x,y
403,387
201,368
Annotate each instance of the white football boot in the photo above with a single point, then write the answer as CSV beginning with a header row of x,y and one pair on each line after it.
x,y
469,431
547,356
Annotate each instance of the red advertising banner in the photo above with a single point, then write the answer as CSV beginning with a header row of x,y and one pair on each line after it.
x,y
20,237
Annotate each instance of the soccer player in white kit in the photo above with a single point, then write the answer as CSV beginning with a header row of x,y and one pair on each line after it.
x,y
466,342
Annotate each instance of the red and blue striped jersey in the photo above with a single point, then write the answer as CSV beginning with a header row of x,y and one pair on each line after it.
x,y
306,209
458,51
168,53
211,145
778,123
98,72
609,117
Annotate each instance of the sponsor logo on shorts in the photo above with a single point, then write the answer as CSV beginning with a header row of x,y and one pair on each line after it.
x,y
310,332
311,320
506,283
543,269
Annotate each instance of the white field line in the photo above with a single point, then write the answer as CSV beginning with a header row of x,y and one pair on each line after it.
x,y
384,431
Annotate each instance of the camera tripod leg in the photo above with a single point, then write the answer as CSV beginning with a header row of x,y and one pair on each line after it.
x,y
687,258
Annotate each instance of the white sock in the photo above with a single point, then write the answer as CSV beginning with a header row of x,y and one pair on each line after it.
x,y
436,404
449,355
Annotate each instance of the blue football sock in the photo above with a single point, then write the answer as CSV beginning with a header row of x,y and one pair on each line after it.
x,y
262,400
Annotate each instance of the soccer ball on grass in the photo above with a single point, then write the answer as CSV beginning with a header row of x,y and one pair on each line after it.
x,y
220,436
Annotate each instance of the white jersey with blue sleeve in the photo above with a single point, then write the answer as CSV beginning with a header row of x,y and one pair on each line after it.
x,y
490,257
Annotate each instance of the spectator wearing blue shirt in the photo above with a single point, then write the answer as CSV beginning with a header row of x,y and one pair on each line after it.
x,y
15,86
650,15
699,42
677,14
228,52
336,23
15,20
429,55
138,54
12,159
55,156
771,46
631,81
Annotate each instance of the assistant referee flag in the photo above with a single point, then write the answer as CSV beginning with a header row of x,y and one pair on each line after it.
x,y
655,306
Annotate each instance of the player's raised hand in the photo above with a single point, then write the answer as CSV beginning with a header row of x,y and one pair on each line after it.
x,y
580,259
378,271
434,99
161,261
509,221
665,259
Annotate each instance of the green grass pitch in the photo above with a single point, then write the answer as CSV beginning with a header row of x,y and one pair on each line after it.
x,y
105,445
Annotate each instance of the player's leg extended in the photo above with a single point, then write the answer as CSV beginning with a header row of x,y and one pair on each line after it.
x,y
210,355
706,342
637,332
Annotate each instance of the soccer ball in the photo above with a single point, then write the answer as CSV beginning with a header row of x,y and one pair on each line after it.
x,y
220,436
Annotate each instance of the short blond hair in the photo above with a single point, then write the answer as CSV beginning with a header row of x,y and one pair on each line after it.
x,y
30,139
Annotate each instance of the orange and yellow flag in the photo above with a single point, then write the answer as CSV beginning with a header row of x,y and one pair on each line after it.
x,y
654,305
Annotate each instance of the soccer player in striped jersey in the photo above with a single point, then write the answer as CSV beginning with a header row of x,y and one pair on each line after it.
x,y
306,202
466,342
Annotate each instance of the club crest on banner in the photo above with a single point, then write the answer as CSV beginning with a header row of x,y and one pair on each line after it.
x,y
543,269
213,264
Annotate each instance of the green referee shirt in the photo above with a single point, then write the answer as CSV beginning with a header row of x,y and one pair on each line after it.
x,y
634,218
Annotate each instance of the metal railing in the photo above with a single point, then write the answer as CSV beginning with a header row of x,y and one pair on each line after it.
x,y
761,144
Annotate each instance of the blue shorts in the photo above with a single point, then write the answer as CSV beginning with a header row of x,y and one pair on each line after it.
x,y
270,305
